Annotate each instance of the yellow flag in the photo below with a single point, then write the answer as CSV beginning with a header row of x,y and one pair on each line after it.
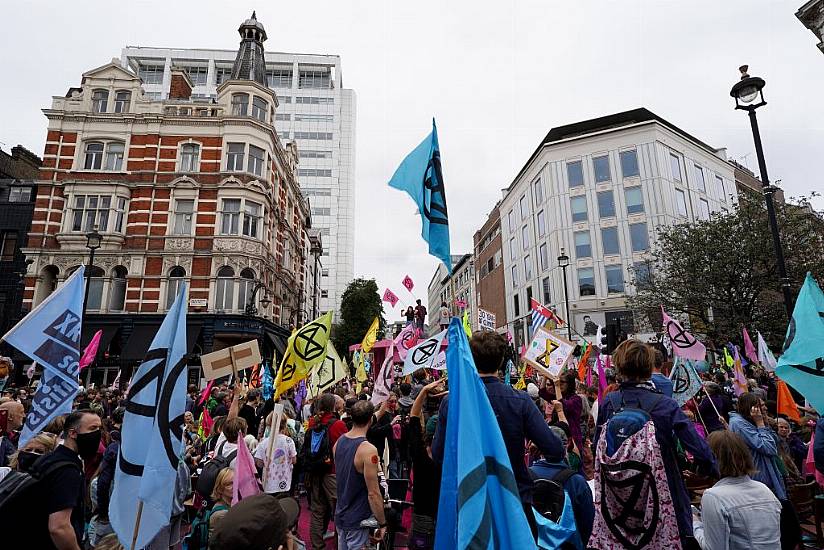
x,y
467,324
521,383
360,371
305,349
328,373
371,336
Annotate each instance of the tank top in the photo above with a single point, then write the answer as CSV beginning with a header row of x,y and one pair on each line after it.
x,y
353,501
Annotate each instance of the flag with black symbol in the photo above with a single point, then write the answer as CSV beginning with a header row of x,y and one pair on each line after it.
x,y
425,354
152,434
685,381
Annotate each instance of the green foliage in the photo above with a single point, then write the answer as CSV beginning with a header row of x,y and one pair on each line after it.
x,y
722,272
360,304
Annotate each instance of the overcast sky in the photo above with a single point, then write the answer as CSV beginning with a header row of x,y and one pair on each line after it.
x,y
496,75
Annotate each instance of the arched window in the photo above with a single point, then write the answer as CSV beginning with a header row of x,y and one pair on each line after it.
x,y
189,157
100,101
224,288
240,104
95,292
46,283
122,99
94,156
117,290
177,275
245,287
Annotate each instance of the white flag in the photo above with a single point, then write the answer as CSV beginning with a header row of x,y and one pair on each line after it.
x,y
424,355
765,356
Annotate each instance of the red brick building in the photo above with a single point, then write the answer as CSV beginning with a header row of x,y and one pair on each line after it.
x,y
195,190
489,268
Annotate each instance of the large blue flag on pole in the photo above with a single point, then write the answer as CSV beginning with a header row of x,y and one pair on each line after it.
x,y
420,176
152,435
50,334
479,504
801,365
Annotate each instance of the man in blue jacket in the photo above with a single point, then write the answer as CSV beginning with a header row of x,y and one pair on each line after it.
x,y
518,417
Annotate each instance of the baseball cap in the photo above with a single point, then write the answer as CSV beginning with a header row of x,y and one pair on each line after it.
x,y
260,521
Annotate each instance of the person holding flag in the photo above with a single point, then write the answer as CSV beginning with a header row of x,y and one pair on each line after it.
x,y
477,403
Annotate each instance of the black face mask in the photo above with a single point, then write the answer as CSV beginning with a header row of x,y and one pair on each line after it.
x,y
88,444
25,459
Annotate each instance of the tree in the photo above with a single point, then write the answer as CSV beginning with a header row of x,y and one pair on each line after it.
x,y
359,306
722,272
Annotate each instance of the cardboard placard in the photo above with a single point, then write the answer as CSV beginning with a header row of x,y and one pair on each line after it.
x,y
548,353
219,363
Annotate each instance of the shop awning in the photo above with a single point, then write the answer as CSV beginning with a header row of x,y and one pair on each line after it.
x,y
278,342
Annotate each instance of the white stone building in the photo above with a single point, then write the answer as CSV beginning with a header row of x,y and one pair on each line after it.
x,y
314,109
459,287
599,189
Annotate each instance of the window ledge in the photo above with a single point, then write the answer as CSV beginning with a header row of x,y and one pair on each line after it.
x,y
89,171
77,240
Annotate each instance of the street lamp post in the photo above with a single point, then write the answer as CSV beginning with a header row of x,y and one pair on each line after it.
x,y
251,309
93,240
563,262
746,92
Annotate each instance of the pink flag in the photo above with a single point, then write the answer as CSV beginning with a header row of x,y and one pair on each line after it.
x,y
91,350
384,378
406,340
602,379
407,282
245,483
205,395
389,296
684,344
809,463
749,347
508,336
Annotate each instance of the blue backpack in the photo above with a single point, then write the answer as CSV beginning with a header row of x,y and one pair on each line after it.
x,y
625,422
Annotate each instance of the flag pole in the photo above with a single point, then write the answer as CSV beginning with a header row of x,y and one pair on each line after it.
x,y
137,523
713,405
273,433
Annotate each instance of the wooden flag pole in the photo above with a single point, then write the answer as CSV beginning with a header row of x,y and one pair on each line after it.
x,y
137,523
277,415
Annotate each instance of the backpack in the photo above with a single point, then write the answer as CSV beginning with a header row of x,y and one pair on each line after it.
x,y
208,474
18,490
548,494
198,538
317,449
625,422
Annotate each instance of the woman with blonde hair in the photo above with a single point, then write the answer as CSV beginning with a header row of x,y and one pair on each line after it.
x,y
39,445
222,497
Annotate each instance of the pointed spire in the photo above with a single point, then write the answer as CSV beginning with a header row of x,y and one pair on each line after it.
x,y
253,15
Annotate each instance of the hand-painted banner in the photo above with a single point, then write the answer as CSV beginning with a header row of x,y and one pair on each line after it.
x,y
389,296
683,343
328,373
424,355
406,340
548,353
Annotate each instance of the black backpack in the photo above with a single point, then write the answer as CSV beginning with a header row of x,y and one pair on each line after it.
x,y
208,474
317,449
548,494
19,490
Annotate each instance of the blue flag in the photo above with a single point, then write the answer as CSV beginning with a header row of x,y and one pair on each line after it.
x,y
802,363
479,504
50,334
685,381
553,535
420,175
152,434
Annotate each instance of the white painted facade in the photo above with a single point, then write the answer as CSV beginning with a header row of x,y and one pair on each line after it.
x,y
449,289
537,215
315,110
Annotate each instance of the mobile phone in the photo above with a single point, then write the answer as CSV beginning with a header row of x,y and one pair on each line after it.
x,y
4,421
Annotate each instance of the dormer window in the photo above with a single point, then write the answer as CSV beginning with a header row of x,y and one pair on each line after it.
x,y
259,108
96,151
100,101
240,104
122,99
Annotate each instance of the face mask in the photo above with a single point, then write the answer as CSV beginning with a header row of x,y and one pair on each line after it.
x,y
25,459
88,443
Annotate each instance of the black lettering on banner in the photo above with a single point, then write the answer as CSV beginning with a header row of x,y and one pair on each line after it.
x,y
424,352
679,337
308,336
59,357
48,398
65,329
434,210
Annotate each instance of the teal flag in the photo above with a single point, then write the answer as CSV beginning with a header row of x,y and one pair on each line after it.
x,y
553,535
685,381
420,176
802,363
479,504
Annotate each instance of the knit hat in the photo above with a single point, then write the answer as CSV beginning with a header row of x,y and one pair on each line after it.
x,y
532,390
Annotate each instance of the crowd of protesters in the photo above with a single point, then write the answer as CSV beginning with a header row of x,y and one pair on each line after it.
x,y
719,471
